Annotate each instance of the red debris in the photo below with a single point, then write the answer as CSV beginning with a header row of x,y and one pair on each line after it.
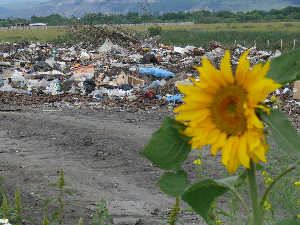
x,y
150,94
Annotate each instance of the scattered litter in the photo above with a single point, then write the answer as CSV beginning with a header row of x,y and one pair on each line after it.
x,y
108,75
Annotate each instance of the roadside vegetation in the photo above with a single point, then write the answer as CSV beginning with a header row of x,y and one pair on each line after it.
x,y
287,14
266,36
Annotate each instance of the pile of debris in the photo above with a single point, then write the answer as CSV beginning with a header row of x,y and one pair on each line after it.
x,y
33,73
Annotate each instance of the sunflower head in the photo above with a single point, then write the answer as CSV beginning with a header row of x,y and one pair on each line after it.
x,y
219,110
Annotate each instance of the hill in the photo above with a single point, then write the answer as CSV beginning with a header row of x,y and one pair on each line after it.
x,y
79,8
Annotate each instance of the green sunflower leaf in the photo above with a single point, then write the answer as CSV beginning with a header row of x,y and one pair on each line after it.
x,y
201,195
287,222
285,68
284,134
173,184
168,148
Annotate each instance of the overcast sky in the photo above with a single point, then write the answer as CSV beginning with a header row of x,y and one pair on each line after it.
x,y
3,2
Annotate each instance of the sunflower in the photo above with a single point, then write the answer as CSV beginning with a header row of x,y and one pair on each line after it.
x,y
220,110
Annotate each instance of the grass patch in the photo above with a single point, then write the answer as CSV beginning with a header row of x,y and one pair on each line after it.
x,y
31,35
228,38
198,35
263,27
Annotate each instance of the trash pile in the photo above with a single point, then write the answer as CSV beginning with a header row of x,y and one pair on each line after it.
x,y
33,73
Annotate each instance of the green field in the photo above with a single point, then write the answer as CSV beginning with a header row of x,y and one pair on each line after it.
x,y
30,35
266,26
266,36
199,35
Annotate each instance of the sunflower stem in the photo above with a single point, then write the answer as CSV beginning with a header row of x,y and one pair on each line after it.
x,y
256,207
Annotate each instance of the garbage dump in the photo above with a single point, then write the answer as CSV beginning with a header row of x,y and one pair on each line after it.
x,y
144,76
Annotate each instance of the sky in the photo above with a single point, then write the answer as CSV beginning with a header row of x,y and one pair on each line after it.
x,y
5,2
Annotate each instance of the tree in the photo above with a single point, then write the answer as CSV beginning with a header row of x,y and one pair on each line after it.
x,y
34,19
133,17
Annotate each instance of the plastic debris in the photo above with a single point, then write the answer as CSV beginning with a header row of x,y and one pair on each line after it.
x,y
109,73
174,98
155,84
157,72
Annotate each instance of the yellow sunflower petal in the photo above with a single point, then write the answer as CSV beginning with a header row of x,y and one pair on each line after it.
x,y
255,75
191,131
234,164
220,110
194,99
194,81
227,149
241,72
243,153
232,153
252,118
253,139
199,122
253,157
218,145
213,135
260,151
225,67
193,114
194,144
188,89
258,71
208,78
189,106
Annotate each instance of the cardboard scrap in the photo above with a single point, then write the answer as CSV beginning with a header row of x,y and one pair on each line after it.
x,y
135,81
296,90
122,79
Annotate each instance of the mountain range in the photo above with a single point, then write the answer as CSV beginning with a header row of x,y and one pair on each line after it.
x,y
78,8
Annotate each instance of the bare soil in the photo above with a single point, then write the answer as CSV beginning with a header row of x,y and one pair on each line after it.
x,y
98,150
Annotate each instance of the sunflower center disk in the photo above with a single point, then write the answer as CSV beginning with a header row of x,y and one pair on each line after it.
x,y
227,110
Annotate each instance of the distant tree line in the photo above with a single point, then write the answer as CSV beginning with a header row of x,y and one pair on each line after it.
x,y
288,14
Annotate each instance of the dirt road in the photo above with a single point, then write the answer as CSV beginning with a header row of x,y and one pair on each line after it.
x,y
98,152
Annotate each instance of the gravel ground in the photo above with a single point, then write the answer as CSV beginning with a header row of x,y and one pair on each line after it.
x,y
98,152
97,147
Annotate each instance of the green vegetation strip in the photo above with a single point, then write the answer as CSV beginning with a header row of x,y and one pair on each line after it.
x,y
266,36
31,35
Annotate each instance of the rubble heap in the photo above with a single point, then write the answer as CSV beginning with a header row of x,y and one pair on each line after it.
x,y
141,75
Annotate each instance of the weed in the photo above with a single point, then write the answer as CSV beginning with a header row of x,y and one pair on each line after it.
x,y
4,208
45,222
61,183
80,222
172,219
102,213
18,206
13,213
